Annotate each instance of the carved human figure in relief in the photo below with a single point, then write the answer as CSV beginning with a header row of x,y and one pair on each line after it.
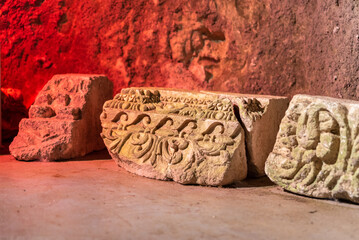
x,y
202,41
201,52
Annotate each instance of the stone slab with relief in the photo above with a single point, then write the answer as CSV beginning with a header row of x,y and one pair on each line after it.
x,y
317,148
64,120
260,116
186,136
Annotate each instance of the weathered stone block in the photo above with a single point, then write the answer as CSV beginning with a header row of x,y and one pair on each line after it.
x,y
260,116
190,137
64,119
317,148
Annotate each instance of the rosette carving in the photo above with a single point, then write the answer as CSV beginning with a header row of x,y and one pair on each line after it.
x,y
316,152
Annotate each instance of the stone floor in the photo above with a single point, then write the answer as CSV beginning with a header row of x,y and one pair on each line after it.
x,y
91,198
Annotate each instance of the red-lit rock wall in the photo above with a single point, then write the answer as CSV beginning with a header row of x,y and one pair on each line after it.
x,y
269,47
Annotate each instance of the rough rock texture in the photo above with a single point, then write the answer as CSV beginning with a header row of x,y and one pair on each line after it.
x,y
317,148
187,136
64,120
12,111
260,116
278,47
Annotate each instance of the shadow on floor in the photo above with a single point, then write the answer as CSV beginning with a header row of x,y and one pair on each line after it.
x,y
252,183
345,202
97,155
104,155
246,183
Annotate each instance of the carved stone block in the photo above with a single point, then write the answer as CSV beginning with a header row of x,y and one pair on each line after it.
x,y
260,116
190,137
317,148
64,119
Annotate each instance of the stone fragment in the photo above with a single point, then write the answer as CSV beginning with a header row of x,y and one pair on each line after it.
x,y
317,148
64,120
189,137
260,116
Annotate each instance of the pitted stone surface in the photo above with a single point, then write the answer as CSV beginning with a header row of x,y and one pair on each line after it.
x,y
260,116
64,120
189,137
317,148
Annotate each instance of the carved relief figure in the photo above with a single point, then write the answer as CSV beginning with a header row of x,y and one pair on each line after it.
x,y
202,41
314,154
201,52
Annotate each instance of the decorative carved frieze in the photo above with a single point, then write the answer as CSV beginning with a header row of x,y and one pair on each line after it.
x,y
260,116
190,137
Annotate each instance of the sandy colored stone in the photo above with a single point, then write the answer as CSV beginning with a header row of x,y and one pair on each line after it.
x,y
317,148
64,120
260,116
190,137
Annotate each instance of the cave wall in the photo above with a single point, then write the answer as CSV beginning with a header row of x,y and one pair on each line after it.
x,y
280,47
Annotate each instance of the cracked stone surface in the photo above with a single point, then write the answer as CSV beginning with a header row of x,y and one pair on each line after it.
x,y
190,137
64,120
317,149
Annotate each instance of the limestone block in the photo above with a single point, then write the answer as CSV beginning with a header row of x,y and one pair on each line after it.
x,y
317,148
190,137
260,116
64,120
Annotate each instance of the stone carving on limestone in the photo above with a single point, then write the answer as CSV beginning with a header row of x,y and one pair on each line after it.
x,y
260,116
317,149
189,137
64,120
